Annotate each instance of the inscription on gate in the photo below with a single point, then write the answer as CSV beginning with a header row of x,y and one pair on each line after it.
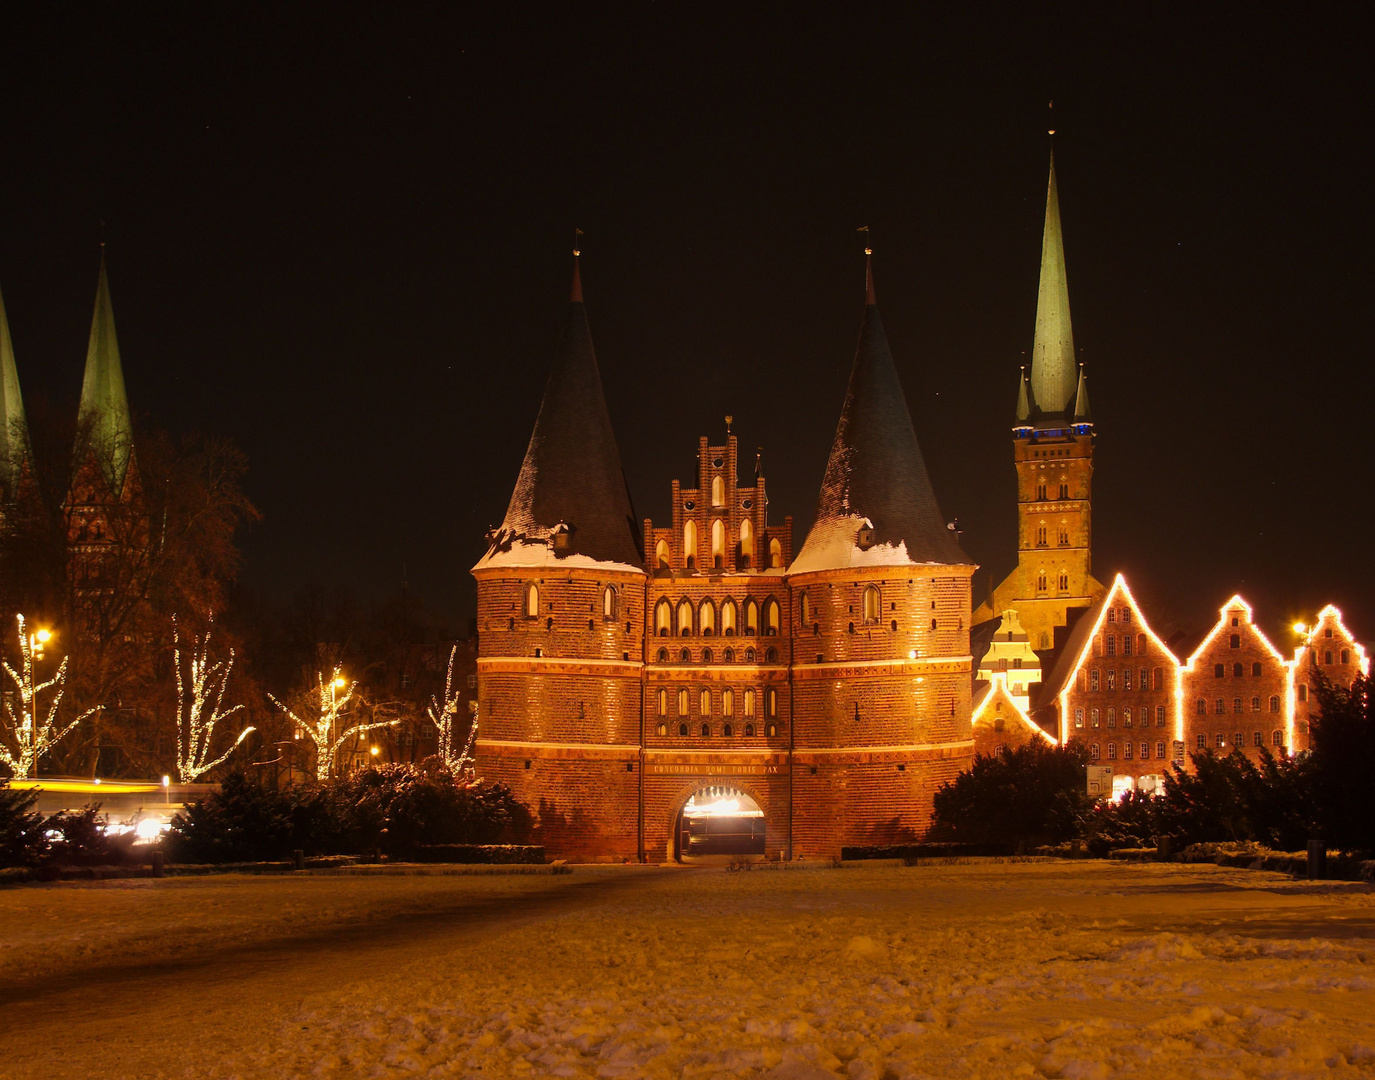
x,y
714,770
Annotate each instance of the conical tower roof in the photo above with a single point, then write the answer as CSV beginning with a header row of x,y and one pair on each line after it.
x,y
14,426
1023,400
876,480
1081,400
104,411
1053,370
571,484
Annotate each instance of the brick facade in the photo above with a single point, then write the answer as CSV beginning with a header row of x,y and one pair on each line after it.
x,y
1115,688
1329,650
1235,689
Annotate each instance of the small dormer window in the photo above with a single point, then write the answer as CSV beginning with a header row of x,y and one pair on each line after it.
x,y
865,538
561,536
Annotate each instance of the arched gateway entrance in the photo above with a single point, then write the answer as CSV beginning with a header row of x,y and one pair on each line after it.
x,y
718,820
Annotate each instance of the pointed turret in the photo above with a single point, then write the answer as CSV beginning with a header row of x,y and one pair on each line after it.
x,y
1023,402
104,412
14,434
571,497
1081,400
877,507
1052,355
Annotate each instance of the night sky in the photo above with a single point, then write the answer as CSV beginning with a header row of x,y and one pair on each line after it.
x,y
341,236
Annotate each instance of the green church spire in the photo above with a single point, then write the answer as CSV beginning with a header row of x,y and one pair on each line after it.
x,y
104,411
14,434
1053,370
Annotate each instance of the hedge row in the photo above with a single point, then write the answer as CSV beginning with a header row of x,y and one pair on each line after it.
x,y
922,851
477,853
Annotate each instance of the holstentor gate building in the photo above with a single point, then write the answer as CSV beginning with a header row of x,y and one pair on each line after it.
x,y
624,668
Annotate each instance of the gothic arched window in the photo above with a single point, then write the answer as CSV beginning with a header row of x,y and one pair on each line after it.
x,y
707,618
771,617
690,543
532,600
728,618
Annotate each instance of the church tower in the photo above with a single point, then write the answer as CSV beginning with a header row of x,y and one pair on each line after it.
x,y
560,603
881,603
102,514
14,434
1052,440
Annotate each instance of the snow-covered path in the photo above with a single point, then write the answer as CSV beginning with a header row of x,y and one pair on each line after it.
x,y
992,969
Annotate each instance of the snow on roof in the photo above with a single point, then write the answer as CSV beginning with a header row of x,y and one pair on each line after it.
x,y
833,545
523,552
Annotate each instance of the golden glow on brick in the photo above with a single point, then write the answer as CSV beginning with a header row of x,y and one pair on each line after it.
x,y
1119,588
998,683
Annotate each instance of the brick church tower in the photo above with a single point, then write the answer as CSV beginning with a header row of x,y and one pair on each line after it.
x,y
1052,440
103,506
881,601
560,601
14,428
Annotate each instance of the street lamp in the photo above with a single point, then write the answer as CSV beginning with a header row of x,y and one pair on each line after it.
x,y
38,639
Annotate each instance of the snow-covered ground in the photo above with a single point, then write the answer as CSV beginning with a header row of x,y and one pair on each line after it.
x,y
993,969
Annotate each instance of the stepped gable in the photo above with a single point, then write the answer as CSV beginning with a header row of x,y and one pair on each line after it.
x,y
571,504
104,405
876,478
1054,373
14,434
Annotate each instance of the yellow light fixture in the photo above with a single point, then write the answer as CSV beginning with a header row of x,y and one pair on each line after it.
x,y
339,683
375,751
43,636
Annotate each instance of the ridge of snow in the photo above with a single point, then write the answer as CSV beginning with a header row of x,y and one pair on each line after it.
x,y
831,545
528,553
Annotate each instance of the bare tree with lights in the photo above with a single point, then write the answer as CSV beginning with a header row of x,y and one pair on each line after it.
x,y
201,684
323,730
445,718
27,738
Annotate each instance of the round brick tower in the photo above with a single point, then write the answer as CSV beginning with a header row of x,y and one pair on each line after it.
x,y
560,602
881,613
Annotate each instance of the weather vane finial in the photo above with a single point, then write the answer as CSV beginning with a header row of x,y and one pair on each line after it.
x,y
1050,111
729,420
868,250
577,242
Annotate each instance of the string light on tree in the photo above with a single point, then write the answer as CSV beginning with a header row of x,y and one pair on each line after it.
x,y
26,738
323,730
445,718
201,684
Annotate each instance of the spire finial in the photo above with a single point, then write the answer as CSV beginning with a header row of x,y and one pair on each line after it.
x,y
868,267
729,420
1050,114
576,294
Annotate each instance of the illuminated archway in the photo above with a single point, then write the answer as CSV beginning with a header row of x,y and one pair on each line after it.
x,y
718,819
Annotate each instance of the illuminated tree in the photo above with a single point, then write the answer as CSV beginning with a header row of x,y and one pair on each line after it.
x,y
445,718
27,738
200,705
323,731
